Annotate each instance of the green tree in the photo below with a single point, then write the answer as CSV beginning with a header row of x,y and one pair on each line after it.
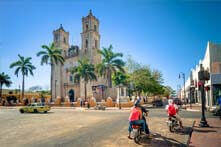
x,y
4,80
158,76
84,71
144,80
110,64
132,65
141,80
168,91
52,56
120,78
24,66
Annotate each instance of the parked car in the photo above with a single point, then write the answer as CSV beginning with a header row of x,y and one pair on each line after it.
x,y
157,103
177,101
35,107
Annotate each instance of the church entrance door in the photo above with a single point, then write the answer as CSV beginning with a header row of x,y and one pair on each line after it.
x,y
71,95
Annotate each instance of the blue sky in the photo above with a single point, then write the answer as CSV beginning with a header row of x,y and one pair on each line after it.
x,y
169,35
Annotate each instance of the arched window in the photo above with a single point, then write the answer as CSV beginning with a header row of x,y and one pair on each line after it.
x,y
95,28
71,78
86,43
95,43
86,27
56,37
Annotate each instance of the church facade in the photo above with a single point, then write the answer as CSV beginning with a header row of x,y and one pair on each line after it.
x,y
63,83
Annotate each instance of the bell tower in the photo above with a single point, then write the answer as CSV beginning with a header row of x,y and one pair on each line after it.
x,y
61,41
90,38
61,38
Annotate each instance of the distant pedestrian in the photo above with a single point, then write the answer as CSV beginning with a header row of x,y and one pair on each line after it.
x,y
43,100
81,102
3,103
88,104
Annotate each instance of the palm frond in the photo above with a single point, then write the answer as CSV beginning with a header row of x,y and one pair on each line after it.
x,y
17,63
41,53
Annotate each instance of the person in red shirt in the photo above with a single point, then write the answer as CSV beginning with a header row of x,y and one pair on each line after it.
x,y
135,118
172,110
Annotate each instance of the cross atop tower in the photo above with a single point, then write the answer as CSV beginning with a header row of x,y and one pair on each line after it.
x,y
90,12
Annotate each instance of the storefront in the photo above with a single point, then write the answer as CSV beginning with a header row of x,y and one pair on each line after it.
x,y
216,87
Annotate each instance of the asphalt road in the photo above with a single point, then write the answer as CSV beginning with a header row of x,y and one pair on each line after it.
x,y
160,112
70,127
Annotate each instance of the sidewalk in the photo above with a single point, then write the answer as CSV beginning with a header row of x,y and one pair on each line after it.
x,y
194,107
207,137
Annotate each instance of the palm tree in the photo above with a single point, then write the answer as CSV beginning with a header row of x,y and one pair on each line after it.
x,y
84,71
110,63
4,80
24,66
51,55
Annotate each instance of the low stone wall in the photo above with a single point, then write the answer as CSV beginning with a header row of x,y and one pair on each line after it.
x,y
108,103
125,104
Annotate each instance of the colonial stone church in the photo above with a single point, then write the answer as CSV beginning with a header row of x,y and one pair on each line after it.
x,y
63,84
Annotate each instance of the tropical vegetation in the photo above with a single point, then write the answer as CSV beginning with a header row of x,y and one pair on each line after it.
x,y
4,80
110,64
23,66
84,71
51,55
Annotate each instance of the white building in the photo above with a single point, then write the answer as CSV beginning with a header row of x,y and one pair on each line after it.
x,y
212,63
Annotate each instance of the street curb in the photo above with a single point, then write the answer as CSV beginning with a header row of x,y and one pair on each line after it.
x,y
193,110
190,134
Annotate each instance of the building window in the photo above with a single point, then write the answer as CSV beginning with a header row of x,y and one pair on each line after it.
x,y
95,43
64,40
86,27
95,28
56,37
71,79
86,43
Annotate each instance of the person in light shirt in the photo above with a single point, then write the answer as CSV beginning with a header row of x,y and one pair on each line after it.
x,y
172,110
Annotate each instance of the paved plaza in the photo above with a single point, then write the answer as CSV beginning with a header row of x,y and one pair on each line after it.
x,y
82,127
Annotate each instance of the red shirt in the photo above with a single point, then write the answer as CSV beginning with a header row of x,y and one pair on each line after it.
x,y
135,114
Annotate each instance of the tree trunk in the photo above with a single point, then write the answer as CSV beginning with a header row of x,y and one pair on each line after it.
x,y
109,79
0,92
85,90
51,81
23,86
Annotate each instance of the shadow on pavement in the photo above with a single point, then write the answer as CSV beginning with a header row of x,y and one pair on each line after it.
x,y
208,127
184,131
39,113
159,140
204,131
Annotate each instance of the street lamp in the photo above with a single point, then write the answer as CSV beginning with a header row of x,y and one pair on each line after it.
x,y
203,76
183,75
